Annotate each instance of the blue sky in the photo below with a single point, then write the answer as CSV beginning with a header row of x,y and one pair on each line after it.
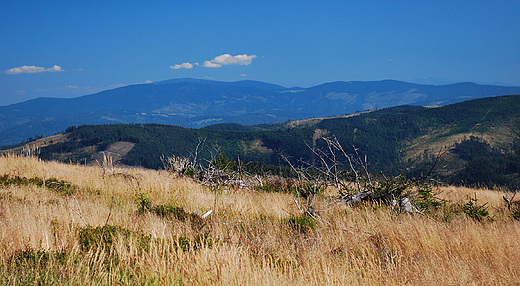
x,y
71,48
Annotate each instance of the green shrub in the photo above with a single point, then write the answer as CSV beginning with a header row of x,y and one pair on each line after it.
x,y
104,236
223,164
7,180
60,186
169,212
426,200
143,203
190,172
166,211
302,224
515,212
31,258
91,238
307,189
474,211
393,186
269,188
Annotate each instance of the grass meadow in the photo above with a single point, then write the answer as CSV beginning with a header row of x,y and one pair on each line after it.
x,y
92,225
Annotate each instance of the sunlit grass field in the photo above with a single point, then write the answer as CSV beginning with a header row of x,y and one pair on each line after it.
x,y
86,225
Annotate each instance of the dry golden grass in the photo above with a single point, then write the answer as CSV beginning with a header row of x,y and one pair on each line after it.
x,y
252,243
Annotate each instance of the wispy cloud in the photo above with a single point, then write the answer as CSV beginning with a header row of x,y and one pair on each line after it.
x,y
183,66
33,69
19,91
227,59
69,90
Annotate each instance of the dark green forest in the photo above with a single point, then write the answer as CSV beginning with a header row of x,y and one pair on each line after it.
x,y
381,136
487,165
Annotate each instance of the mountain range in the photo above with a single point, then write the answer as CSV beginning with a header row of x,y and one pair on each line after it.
x,y
196,103
479,140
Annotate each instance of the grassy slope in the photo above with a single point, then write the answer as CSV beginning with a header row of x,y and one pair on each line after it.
x,y
495,120
253,245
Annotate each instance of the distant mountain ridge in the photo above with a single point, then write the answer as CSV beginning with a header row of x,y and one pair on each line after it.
x,y
196,103
480,140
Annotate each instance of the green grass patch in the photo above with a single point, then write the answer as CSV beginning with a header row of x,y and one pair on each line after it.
x,y
52,184
144,205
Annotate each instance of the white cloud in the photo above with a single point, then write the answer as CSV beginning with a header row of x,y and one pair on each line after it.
x,y
55,68
183,66
209,64
25,69
222,60
227,59
33,69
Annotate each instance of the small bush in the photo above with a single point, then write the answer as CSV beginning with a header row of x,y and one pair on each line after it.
x,y
426,200
474,211
223,164
302,224
307,189
179,213
515,212
269,188
31,258
104,236
143,203
190,172
394,186
7,180
60,186
168,212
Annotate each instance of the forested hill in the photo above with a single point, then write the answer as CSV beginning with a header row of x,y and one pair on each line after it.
x,y
482,135
197,103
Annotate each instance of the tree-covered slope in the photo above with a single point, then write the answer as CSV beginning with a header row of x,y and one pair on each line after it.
x,y
399,139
